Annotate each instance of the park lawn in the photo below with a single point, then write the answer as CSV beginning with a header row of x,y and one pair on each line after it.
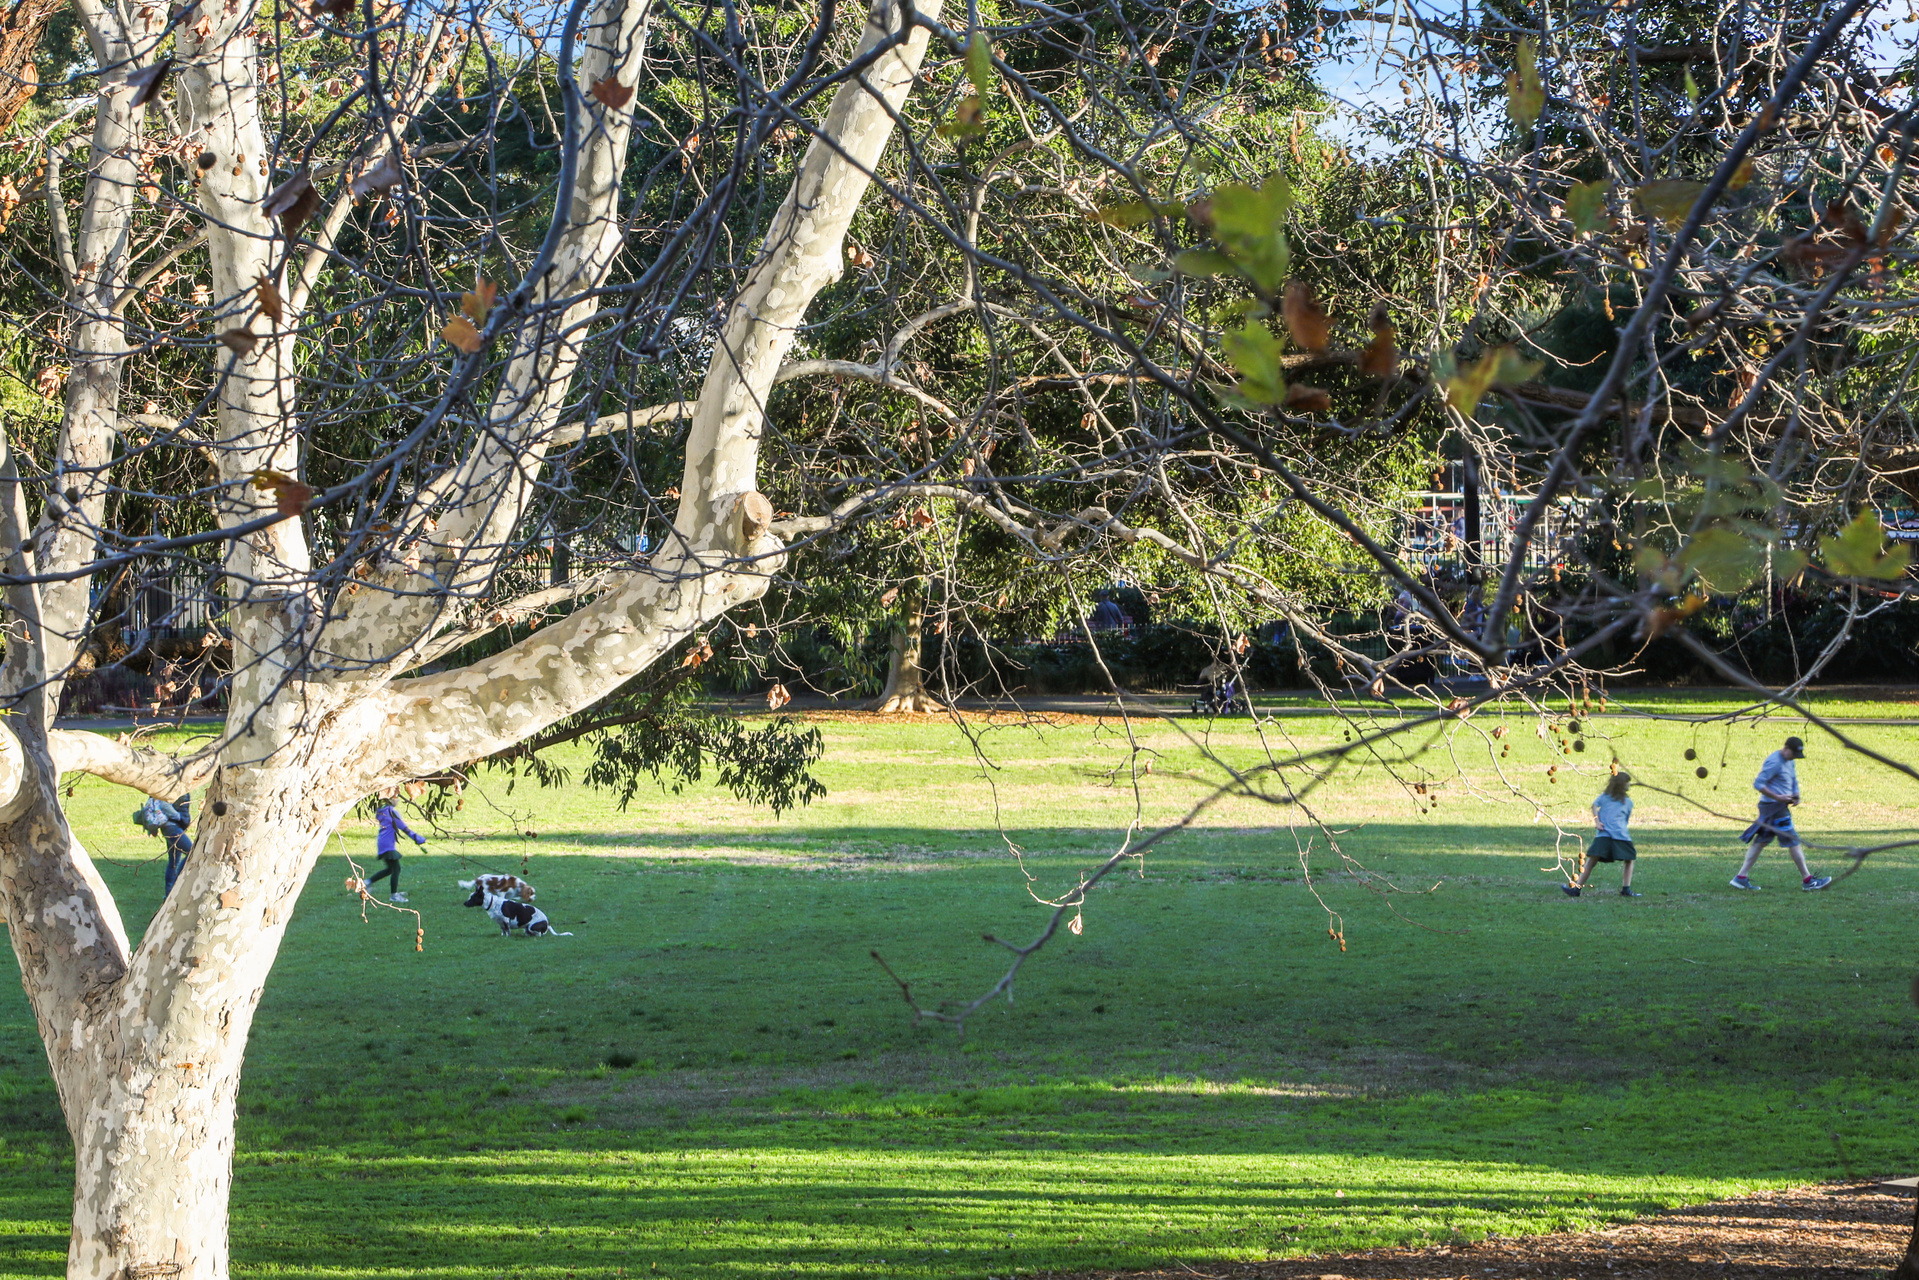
x,y
1841,701
1203,1073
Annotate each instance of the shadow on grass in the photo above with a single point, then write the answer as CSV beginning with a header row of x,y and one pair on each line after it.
x,y
1198,1076
847,1182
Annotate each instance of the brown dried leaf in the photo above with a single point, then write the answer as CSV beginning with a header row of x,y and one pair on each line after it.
x,y
611,94
269,297
1301,398
333,8
777,697
293,202
888,596
384,175
1810,257
147,82
1845,223
476,304
1305,318
239,341
1887,232
698,655
1380,359
290,496
460,332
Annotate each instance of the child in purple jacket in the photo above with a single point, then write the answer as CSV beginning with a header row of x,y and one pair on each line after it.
x,y
387,845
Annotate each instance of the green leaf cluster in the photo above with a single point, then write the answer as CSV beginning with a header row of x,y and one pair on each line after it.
x,y
1859,550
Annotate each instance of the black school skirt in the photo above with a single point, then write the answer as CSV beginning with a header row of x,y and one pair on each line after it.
x,y
1609,849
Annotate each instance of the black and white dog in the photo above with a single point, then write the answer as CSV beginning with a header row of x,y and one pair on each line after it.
x,y
511,915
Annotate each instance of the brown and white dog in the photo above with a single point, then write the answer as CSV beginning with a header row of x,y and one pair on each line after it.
x,y
505,886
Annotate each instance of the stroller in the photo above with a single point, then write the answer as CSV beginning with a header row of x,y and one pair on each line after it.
x,y
1222,698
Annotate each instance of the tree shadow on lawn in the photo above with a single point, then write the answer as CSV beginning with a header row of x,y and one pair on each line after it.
x,y
831,1182
849,1211
1601,1066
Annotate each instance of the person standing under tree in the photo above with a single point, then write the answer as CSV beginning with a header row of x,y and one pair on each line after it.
x,y
387,845
170,821
1612,811
1778,788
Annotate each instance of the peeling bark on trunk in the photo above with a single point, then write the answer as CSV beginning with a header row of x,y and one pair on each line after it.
x,y
906,690
153,1170
146,1044
20,31
150,1068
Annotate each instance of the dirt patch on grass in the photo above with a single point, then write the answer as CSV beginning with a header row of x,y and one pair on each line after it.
x,y
1848,1231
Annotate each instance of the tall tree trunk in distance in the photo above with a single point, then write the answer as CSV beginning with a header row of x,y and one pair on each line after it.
x,y
905,678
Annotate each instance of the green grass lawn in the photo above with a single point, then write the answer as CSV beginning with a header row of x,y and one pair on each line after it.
x,y
1203,1073
1839,701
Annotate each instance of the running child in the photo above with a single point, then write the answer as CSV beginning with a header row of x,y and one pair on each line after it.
x,y
387,845
1612,811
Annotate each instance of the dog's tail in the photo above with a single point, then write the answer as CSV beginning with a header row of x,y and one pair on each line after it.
x,y
556,933
468,884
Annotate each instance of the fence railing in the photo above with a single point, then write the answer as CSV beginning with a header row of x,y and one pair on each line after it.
x,y
1432,529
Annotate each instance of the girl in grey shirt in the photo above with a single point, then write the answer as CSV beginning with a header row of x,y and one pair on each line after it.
x,y
1612,811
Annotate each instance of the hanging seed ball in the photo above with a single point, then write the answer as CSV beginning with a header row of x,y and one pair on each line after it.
x,y
208,160
1700,772
1579,745
1576,726
1691,754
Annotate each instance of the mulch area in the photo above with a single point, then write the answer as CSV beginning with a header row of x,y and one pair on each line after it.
x,y
1836,1231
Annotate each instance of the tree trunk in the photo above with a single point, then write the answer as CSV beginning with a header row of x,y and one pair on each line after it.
x,y
1909,1265
905,678
149,1087
146,1044
153,1165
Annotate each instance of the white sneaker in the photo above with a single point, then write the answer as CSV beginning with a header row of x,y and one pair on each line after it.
x,y
398,897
